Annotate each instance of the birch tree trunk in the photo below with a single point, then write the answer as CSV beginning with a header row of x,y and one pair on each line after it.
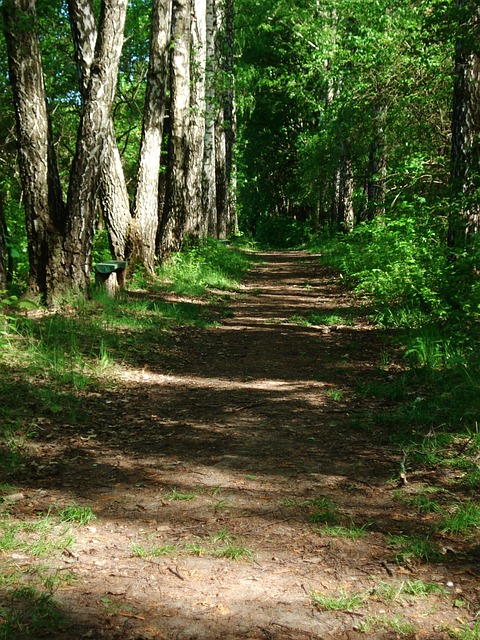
x,y
176,206
197,224
220,137
146,204
230,122
209,194
346,216
42,194
465,174
113,194
92,142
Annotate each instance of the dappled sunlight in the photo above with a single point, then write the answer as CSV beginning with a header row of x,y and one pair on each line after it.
x,y
234,475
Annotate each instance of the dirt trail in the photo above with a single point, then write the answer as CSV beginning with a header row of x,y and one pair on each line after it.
x,y
243,445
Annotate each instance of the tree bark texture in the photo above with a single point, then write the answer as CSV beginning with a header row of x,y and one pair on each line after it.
x,y
113,194
220,134
345,214
229,114
92,142
146,203
209,196
176,205
197,224
465,173
42,194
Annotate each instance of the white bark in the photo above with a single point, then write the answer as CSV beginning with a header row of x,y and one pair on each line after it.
x,y
197,223
147,190
209,194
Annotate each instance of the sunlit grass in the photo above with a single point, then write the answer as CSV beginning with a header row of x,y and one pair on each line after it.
x,y
341,601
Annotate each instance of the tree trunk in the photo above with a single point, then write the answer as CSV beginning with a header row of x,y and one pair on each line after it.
x,y
220,134
464,220
377,166
113,194
44,208
176,206
230,120
346,216
92,142
197,224
146,204
209,196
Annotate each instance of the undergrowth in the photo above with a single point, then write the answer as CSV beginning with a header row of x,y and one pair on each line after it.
x,y
51,360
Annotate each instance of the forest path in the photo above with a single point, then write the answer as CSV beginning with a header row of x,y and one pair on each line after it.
x,y
244,441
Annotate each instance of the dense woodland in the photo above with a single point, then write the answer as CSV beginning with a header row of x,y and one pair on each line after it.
x,y
131,130
150,123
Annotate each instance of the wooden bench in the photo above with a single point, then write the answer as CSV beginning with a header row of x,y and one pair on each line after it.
x,y
110,276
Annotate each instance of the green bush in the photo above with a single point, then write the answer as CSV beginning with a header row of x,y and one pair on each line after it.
x,y
277,232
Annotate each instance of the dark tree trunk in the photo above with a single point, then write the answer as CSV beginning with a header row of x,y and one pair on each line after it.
x,y
146,209
176,206
92,142
465,175
113,194
42,194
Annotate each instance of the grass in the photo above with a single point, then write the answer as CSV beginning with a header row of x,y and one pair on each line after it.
x,y
384,622
351,532
465,519
466,632
413,548
29,613
220,545
43,537
319,510
202,267
50,359
389,592
317,318
175,494
342,601
77,514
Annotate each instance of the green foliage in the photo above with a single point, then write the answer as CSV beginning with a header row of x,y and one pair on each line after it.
x,y
211,264
276,232
397,260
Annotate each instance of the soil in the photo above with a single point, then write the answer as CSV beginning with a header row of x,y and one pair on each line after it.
x,y
242,443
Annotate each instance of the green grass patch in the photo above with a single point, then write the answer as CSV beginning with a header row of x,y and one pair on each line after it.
x,y
220,545
320,318
410,549
341,601
397,624
175,494
351,532
321,509
28,613
77,514
209,265
464,520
